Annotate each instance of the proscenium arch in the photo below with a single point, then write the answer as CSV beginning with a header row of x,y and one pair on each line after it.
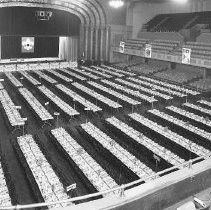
x,y
90,9
91,15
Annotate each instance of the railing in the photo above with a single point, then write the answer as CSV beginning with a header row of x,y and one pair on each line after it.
x,y
118,190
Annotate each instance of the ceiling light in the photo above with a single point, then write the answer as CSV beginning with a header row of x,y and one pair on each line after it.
x,y
181,1
116,3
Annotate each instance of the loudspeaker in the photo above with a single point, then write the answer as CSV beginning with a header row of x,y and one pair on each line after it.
x,y
43,15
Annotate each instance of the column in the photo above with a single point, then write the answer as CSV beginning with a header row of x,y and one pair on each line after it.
x,y
82,41
204,5
96,42
101,44
107,43
91,42
86,42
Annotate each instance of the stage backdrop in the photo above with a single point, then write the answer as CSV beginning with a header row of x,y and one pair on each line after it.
x,y
19,22
11,47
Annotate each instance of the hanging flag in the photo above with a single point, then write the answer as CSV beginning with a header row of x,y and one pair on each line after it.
x,y
186,55
122,47
148,50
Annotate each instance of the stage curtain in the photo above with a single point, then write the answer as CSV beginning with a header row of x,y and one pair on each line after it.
x,y
0,47
68,48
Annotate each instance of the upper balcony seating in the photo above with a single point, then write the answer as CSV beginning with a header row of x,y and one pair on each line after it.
x,y
198,50
164,45
177,21
173,22
157,45
154,22
203,18
135,43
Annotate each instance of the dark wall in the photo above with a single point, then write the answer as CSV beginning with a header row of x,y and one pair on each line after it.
x,y
44,47
23,21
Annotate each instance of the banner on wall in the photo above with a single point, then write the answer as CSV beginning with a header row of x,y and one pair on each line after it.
x,y
27,44
148,50
186,55
122,47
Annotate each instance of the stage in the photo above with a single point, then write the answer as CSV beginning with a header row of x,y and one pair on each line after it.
x,y
20,64
29,60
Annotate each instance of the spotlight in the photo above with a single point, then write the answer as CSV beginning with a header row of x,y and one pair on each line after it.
x,y
116,3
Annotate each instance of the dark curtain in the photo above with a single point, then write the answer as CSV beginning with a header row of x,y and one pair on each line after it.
x,y
44,47
23,21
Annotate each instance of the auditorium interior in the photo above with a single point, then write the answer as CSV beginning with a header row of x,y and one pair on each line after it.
x,y
105,104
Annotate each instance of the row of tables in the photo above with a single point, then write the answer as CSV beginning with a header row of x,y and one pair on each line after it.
x,y
97,96
157,149
97,72
61,76
66,108
99,178
112,72
181,123
136,93
72,74
114,93
13,80
197,108
41,111
122,154
87,104
144,89
5,199
170,135
87,74
171,86
31,79
48,182
204,102
119,70
45,77
189,115
11,110
157,87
